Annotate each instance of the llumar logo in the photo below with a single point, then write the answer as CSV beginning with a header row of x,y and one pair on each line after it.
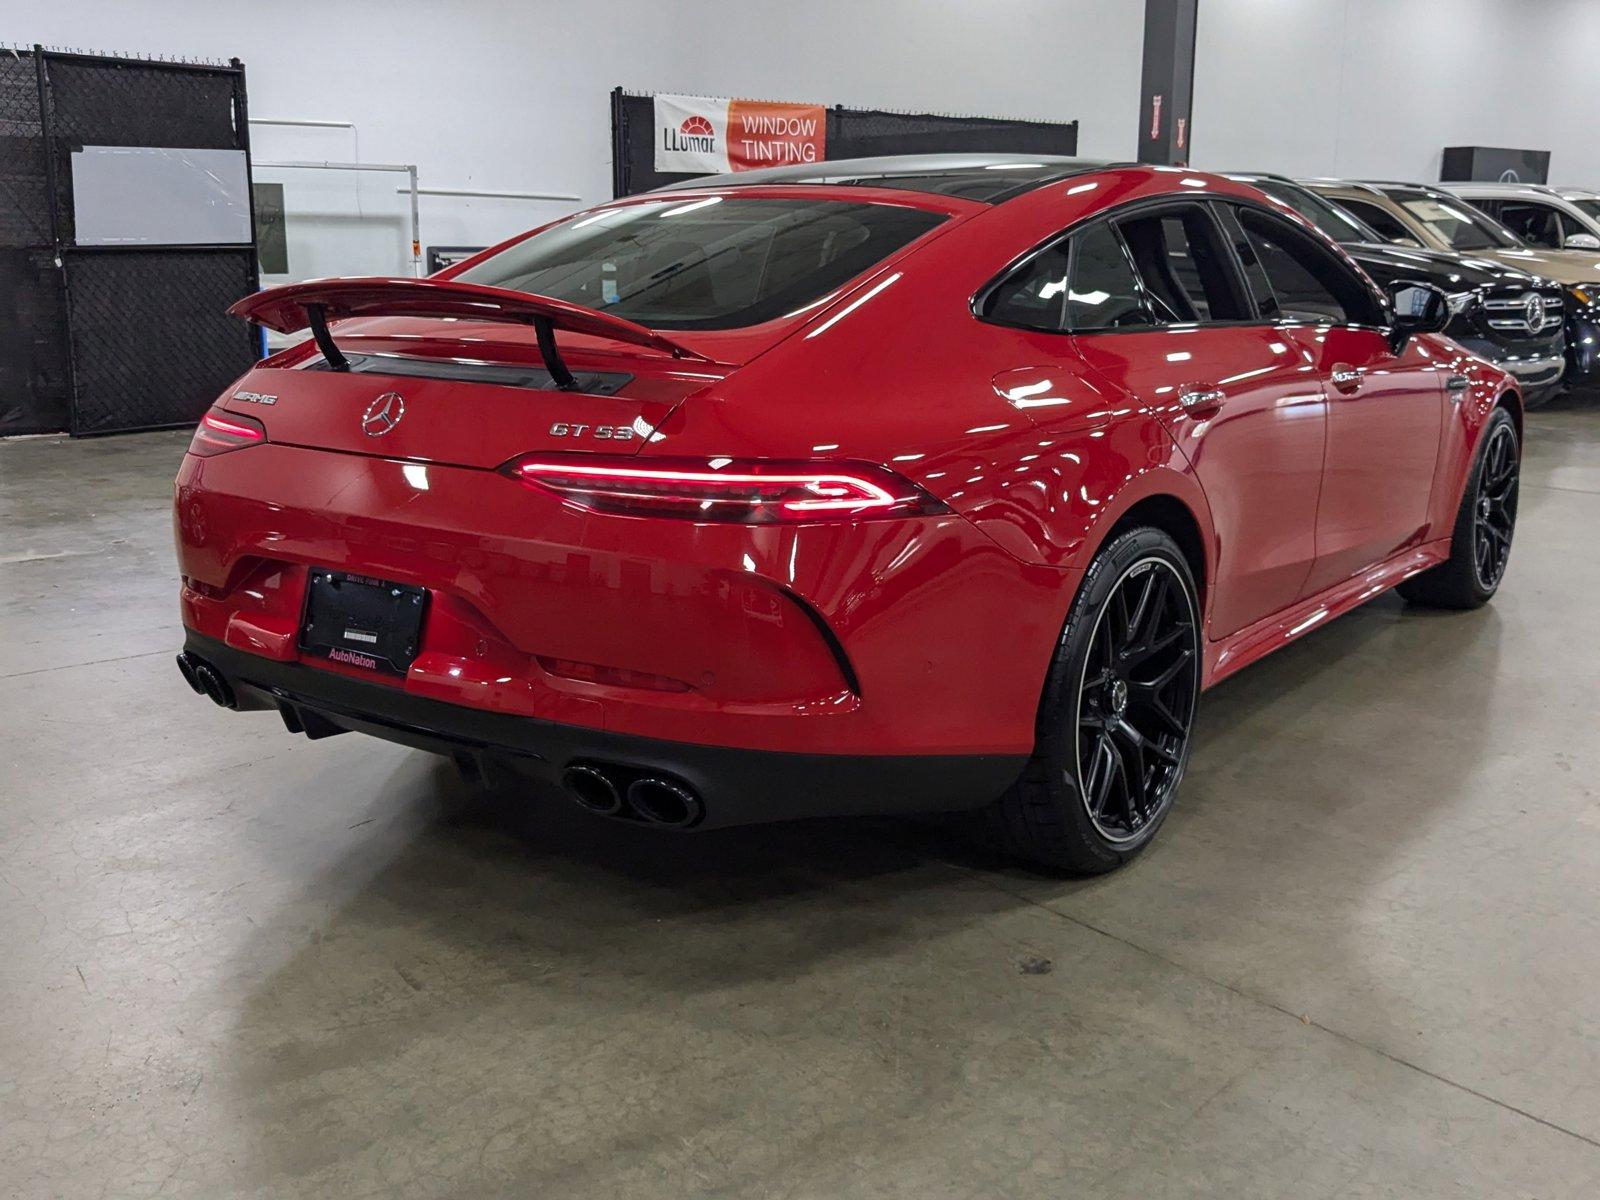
x,y
695,135
352,659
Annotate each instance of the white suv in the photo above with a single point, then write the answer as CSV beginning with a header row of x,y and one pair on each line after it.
x,y
1546,217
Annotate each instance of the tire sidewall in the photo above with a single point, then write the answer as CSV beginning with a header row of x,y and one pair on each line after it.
x,y
1466,528
1057,742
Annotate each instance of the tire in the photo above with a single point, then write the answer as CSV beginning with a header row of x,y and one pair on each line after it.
x,y
1488,509
1082,755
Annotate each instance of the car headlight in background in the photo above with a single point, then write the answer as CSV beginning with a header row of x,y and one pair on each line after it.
x,y
1585,293
1458,302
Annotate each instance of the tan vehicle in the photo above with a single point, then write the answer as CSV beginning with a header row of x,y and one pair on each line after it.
x,y
1417,215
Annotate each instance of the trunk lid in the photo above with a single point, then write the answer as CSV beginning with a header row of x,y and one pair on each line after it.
x,y
458,373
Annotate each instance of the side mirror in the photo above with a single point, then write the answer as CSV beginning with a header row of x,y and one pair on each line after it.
x,y
1581,241
1415,308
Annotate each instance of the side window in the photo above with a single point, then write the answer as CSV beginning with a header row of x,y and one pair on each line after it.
x,y
1255,272
1308,283
1082,282
1103,293
1035,296
1183,265
1379,218
1536,224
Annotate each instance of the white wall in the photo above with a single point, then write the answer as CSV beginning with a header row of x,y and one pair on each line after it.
x,y
1378,88
514,96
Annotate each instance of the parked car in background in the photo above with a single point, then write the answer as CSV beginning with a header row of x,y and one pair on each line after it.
x,y
1545,217
1410,214
868,486
1491,309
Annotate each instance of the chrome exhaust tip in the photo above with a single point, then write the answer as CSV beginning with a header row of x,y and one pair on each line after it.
x,y
593,790
663,802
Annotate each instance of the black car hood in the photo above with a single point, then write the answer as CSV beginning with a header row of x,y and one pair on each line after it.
x,y
1443,268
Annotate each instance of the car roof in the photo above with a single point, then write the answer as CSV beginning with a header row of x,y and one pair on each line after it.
x,y
1488,187
991,178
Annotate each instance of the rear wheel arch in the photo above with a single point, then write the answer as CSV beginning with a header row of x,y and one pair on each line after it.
x,y
1173,517
1510,400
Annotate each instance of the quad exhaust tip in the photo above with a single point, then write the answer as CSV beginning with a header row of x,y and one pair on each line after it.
x,y
663,802
593,790
205,679
651,799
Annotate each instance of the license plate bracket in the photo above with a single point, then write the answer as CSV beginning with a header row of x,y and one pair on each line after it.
x,y
362,622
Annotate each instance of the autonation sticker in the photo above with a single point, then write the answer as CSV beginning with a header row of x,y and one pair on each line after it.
x,y
696,135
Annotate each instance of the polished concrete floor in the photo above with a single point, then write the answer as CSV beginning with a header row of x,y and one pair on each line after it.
x,y
1362,960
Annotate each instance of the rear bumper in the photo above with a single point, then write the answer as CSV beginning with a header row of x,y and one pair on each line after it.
x,y
918,637
737,786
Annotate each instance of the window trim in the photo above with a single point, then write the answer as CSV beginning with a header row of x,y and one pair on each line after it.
x,y
1210,204
1111,216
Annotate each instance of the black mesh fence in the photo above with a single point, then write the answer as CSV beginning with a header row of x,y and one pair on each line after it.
x,y
24,189
851,133
35,379
137,366
101,339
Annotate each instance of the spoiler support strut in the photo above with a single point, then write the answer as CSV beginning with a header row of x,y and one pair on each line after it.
x,y
317,318
544,329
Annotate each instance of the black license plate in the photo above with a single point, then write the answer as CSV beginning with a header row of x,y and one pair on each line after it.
x,y
362,622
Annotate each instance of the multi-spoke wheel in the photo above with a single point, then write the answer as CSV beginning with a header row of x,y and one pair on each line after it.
x,y
1120,699
1137,699
1495,512
1480,546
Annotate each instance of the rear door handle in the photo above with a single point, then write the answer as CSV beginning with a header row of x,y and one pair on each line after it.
x,y
1346,378
1201,400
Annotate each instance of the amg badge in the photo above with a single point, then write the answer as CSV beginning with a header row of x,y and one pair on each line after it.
x,y
255,397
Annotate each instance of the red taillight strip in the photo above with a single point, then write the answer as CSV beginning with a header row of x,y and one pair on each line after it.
x,y
874,497
218,434
720,489
248,433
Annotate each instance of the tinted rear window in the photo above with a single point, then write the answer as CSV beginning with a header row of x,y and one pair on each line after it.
x,y
717,263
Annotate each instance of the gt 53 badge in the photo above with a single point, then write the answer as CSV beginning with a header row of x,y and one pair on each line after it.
x,y
606,433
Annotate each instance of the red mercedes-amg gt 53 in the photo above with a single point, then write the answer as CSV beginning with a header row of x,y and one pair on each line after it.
x,y
893,485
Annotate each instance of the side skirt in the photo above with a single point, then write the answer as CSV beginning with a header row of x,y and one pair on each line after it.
x,y
1256,641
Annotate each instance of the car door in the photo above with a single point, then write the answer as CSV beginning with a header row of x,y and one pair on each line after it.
x,y
1385,408
1239,399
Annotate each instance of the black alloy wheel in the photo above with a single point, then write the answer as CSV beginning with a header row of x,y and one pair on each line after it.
x,y
1137,699
1495,507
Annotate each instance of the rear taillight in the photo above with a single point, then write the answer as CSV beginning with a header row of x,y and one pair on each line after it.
x,y
219,432
756,491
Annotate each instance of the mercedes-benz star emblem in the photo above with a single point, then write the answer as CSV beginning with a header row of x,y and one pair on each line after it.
x,y
383,414
1533,310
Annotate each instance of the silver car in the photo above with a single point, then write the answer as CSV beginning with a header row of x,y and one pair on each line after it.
x,y
1547,217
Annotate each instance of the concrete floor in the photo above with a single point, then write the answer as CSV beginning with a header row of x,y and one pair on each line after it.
x,y
1362,960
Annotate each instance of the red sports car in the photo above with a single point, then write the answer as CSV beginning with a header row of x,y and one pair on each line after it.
x,y
895,485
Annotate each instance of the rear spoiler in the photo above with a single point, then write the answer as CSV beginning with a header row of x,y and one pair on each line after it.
x,y
313,304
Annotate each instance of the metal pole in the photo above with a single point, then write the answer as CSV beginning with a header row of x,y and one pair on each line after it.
x,y
1166,91
416,229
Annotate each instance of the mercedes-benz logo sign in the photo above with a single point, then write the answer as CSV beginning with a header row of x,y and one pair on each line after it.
x,y
383,414
1532,309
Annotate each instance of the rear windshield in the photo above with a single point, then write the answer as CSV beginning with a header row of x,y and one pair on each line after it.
x,y
714,263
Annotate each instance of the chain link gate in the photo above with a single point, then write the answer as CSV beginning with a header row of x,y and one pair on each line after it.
x,y
851,133
112,338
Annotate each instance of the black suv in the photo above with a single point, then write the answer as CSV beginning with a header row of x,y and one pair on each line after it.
x,y
1490,311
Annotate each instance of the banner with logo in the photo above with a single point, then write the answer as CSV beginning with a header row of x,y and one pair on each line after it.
x,y
700,136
